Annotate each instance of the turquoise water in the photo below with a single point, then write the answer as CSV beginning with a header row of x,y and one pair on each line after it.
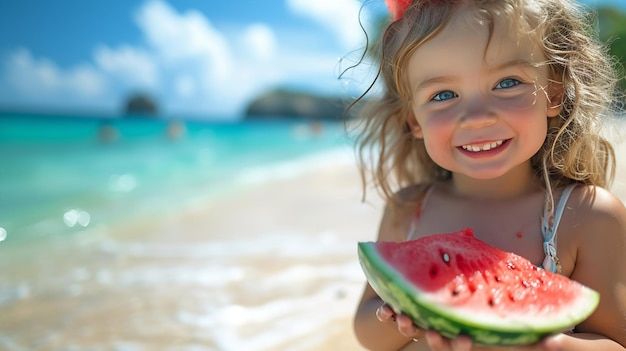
x,y
60,176
110,243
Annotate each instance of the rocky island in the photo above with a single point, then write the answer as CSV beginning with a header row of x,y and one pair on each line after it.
x,y
282,103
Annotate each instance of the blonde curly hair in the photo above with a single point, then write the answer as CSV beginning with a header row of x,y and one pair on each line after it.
x,y
574,150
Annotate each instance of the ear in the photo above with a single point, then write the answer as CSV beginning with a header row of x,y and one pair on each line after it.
x,y
414,127
555,98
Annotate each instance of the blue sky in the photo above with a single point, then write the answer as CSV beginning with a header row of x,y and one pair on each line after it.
x,y
199,58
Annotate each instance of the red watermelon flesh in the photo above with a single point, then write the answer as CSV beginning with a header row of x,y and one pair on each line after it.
x,y
457,284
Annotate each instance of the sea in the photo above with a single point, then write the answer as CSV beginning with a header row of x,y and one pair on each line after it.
x,y
66,182
81,170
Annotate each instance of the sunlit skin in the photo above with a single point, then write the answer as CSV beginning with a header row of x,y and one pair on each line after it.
x,y
482,107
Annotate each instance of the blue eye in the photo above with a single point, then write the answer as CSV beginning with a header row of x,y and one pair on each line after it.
x,y
444,95
507,83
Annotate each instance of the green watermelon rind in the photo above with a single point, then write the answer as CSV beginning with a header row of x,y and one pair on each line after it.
x,y
397,292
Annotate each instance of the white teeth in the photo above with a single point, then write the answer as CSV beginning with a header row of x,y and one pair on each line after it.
x,y
485,147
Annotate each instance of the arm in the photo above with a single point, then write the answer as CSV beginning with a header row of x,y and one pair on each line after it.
x,y
600,236
379,331
375,334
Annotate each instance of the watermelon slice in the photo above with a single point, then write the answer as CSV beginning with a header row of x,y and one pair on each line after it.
x,y
458,285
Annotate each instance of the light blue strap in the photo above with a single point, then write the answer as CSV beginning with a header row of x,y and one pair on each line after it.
x,y
551,262
418,213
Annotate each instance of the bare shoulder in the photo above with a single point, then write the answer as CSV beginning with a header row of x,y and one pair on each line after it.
x,y
399,212
597,223
596,211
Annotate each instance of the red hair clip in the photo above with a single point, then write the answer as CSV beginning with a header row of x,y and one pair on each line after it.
x,y
397,7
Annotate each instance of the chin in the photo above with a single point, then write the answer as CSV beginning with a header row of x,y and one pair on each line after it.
x,y
483,174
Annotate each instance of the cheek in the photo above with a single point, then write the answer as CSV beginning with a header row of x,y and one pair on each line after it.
x,y
538,134
527,113
525,101
438,122
438,130
531,127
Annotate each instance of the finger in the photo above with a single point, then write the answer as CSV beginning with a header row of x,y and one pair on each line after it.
x,y
384,313
462,343
406,326
554,342
435,341
380,314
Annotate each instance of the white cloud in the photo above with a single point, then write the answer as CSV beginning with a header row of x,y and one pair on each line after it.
x,y
195,56
135,66
32,76
184,37
260,41
190,64
185,86
339,16
207,71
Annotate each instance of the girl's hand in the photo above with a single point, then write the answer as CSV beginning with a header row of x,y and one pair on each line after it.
x,y
436,342
384,313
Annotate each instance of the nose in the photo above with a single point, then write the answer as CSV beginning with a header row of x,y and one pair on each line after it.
x,y
477,113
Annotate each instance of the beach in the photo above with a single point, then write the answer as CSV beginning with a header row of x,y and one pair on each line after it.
x,y
263,260
272,266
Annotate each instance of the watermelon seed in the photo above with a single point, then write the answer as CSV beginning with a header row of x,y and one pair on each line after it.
x,y
525,284
446,258
491,302
433,271
511,297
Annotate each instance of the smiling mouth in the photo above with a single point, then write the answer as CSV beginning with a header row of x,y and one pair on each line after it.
x,y
483,147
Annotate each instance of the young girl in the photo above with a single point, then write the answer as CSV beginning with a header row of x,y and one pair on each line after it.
x,y
489,119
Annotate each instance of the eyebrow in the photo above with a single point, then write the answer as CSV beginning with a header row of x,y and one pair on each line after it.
x,y
521,63
433,80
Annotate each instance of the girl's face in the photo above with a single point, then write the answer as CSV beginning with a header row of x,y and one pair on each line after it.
x,y
481,104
